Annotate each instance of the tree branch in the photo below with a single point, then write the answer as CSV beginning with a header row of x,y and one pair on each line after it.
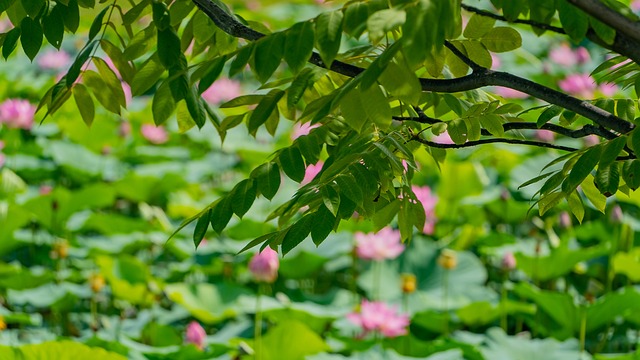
x,y
622,44
574,134
490,141
477,79
609,16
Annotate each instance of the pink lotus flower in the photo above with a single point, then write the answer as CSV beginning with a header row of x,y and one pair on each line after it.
x,y
311,171
45,189
545,135
496,63
508,261
302,129
195,335
222,90
378,316
5,25
608,89
509,93
125,129
429,201
17,113
564,220
591,140
264,265
54,60
635,5
565,56
385,244
154,134
616,214
443,138
581,85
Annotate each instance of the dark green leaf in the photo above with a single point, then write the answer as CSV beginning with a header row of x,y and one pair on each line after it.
x,y
72,16
10,42
631,173
264,109
195,107
268,178
297,233
323,222
84,102
78,63
53,26
292,163
169,51
328,35
299,45
582,168
221,214
97,23
243,196
33,7
201,228
348,187
607,179
267,56
574,21
612,150
298,86
241,59
163,104
31,38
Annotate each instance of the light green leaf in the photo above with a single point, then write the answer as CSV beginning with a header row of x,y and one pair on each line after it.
x,y
478,26
84,102
502,39
383,21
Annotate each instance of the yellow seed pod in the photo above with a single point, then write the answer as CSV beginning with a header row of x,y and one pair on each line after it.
x,y
61,249
3,325
96,281
448,259
408,283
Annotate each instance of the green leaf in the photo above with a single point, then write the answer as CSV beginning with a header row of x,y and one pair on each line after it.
x,y
549,201
383,21
267,56
84,102
298,86
5,4
478,26
402,83
31,38
268,178
163,104
607,179
502,39
353,110
101,90
78,63
146,76
195,107
355,21
292,339
169,51
297,233
323,222
612,150
576,206
221,213
598,200
64,349
376,106
241,59
10,42
72,16
111,80
574,21
582,168
33,7
97,23
299,45
330,199
378,66
348,187
631,173
493,124
53,26
242,197
264,109
328,35
605,32
201,228
292,163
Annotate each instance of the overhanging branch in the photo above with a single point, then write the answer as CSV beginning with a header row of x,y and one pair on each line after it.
x,y
492,141
477,79
610,17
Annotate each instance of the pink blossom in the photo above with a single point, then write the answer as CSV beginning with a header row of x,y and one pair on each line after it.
x,y
564,220
45,189
154,134
385,244
17,113
311,172
496,63
635,5
608,89
508,261
195,334
125,129
378,316
509,93
591,140
545,135
54,60
565,56
429,201
616,214
443,138
579,85
264,265
222,90
300,129
5,25
127,92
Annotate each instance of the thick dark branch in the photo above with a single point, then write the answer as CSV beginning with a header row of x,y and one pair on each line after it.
x,y
535,24
491,141
622,44
575,134
477,79
609,16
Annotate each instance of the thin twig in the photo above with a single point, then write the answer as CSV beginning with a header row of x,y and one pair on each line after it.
x,y
491,141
